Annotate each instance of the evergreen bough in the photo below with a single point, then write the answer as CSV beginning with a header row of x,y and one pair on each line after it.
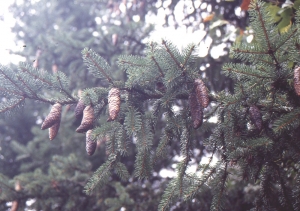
x,y
256,137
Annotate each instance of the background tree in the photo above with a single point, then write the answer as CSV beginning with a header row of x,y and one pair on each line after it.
x,y
54,174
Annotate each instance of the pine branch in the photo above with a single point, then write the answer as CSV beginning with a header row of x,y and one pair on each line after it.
x,y
179,65
262,21
287,121
168,195
159,68
11,104
293,33
64,90
122,171
101,176
133,121
38,74
143,162
11,80
196,187
96,64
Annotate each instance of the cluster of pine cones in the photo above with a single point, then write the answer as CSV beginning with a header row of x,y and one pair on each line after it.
x,y
52,121
198,100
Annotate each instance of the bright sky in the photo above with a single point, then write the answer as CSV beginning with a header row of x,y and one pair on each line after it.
x,y
6,37
7,41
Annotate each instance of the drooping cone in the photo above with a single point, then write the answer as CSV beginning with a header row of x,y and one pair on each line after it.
x,y
196,110
87,120
79,109
53,117
15,204
114,102
201,92
255,117
297,80
91,143
53,130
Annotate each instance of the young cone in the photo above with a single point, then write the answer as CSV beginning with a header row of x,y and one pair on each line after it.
x,y
201,93
79,109
255,117
297,80
87,120
53,117
53,130
91,143
114,102
196,110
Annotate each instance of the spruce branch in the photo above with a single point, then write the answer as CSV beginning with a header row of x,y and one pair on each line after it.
x,y
164,42
187,57
271,51
220,188
152,49
63,89
33,93
159,68
101,176
248,72
11,104
168,195
293,33
14,83
39,76
96,63
192,192
13,92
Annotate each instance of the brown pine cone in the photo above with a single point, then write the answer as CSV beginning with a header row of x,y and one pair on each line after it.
x,y
53,117
114,102
53,130
91,143
87,120
79,109
201,93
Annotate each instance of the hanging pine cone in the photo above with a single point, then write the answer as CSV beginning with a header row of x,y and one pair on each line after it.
x,y
79,109
53,130
297,80
91,143
114,102
255,117
196,110
87,120
201,92
53,117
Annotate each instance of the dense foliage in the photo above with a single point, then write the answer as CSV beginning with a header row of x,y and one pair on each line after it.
x,y
149,110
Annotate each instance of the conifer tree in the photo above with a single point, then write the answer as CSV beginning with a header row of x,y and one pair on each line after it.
x,y
160,103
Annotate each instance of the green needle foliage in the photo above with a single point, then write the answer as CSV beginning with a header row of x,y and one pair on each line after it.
x,y
255,139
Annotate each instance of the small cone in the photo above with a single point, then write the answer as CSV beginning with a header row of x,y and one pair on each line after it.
x,y
201,92
53,130
114,102
79,109
255,117
297,80
53,117
91,143
87,120
196,110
